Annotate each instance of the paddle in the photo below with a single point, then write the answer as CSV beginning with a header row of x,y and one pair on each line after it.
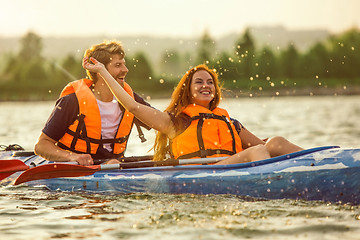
x,y
23,153
8,167
57,170
135,158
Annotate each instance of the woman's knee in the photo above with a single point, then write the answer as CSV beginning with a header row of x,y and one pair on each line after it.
x,y
280,145
274,145
278,140
259,152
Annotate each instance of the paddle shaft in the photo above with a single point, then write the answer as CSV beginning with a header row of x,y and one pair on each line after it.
x,y
132,159
57,170
96,161
170,162
142,164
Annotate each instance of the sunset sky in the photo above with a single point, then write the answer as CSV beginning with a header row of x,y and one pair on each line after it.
x,y
174,18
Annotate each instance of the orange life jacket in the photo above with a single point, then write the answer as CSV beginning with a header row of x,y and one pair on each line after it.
x,y
84,134
210,134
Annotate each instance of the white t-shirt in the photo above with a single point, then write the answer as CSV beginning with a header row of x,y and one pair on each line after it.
x,y
110,118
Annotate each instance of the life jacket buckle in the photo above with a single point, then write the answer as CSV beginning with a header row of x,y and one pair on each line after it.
x,y
203,153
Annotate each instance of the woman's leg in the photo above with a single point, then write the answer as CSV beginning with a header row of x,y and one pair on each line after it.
x,y
255,153
277,146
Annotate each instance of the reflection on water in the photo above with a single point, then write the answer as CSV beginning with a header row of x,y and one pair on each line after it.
x,y
307,121
46,215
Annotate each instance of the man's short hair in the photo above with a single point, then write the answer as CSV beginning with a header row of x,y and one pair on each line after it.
x,y
103,53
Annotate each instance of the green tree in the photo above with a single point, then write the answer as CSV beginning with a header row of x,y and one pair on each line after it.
x,y
206,49
290,62
187,61
34,71
226,67
11,68
170,64
72,67
31,47
28,64
344,54
140,71
315,62
245,54
266,64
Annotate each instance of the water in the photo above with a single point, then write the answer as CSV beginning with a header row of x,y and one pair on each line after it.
x,y
308,121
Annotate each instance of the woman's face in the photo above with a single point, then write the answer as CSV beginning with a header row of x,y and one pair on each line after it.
x,y
202,88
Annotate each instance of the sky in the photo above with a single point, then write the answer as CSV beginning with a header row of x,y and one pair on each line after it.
x,y
172,18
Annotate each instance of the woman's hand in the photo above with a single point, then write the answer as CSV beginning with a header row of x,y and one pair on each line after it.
x,y
93,66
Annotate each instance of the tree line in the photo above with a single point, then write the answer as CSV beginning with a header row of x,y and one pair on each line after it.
x,y
248,67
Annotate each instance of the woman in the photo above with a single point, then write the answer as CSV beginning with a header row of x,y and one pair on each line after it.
x,y
193,125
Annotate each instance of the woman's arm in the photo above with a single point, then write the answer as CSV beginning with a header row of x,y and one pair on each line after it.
x,y
154,118
248,139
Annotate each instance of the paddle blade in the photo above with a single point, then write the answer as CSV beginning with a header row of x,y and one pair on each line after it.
x,y
55,170
8,167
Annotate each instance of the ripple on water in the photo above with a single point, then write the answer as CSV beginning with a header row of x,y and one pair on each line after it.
x,y
44,214
310,122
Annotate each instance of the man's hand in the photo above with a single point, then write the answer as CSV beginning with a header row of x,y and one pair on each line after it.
x,y
82,159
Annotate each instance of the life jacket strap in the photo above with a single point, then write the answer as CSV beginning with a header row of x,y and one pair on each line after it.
x,y
141,134
81,133
201,118
110,155
97,141
203,153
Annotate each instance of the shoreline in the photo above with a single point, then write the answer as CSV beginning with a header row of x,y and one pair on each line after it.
x,y
286,92
231,93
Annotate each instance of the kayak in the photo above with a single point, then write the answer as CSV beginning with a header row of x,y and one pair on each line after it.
x,y
329,174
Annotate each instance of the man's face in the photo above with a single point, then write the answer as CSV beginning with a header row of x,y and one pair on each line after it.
x,y
117,68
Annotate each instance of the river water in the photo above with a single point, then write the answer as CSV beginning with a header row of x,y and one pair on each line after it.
x,y
307,121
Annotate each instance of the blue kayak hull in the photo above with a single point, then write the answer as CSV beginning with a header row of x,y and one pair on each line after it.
x,y
326,174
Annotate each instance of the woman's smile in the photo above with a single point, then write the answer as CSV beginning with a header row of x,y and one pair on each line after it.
x,y
202,88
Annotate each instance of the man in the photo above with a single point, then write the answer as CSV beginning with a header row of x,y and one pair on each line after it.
x,y
87,123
